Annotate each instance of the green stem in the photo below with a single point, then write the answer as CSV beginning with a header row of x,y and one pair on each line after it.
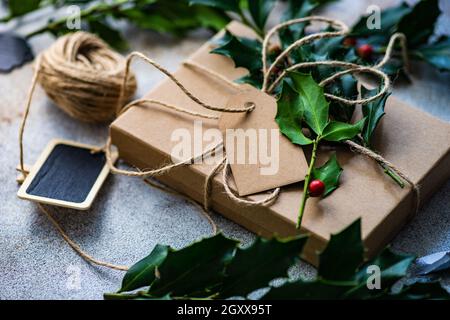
x,y
392,175
307,180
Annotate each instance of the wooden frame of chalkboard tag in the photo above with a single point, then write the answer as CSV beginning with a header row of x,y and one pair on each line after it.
x,y
66,174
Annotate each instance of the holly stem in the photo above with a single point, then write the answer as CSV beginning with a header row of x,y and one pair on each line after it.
x,y
306,183
392,175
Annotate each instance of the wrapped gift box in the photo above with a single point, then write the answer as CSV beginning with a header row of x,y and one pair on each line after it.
x,y
414,141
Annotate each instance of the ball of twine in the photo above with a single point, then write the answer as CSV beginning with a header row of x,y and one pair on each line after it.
x,y
84,76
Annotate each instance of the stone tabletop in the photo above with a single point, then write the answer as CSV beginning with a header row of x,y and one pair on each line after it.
x,y
129,218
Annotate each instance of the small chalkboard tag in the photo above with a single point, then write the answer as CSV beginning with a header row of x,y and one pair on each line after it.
x,y
67,174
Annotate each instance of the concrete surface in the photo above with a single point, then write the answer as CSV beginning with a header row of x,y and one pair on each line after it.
x,y
129,217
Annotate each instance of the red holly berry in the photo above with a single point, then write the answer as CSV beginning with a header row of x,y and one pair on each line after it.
x,y
365,51
316,188
350,42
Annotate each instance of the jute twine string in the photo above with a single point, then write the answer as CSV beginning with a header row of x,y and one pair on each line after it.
x,y
224,165
351,68
164,169
68,72
125,77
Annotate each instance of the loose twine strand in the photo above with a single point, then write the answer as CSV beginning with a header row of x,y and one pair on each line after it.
x,y
45,64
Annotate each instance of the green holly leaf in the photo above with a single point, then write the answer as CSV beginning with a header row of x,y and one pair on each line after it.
x,y
329,174
290,114
142,273
22,7
254,267
260,10
420,291
313,101
298,9
318,289
328,47
244,52
393,68
346,86
210,18
110,35
228,5
373,112
147,297
343,255
302,8
253,79
340,131
389,20
437,54
194,269
392,267
418,25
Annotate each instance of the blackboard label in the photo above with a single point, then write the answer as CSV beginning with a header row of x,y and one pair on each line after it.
x,y
67,174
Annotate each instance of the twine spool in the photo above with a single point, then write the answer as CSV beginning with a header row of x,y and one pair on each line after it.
x,y
84,76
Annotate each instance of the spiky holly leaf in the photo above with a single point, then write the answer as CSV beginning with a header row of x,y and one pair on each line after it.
x,y
347,87
392,267
343,255
260,10
248,269
254,267
329,174
244,52
194,269
22,7
228,5
298,9
318,289
420,291
290,115
389,19
340,131
437,54
418,25
312,101
107,33
373,112
142,274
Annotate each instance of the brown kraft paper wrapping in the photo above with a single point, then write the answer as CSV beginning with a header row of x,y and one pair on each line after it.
x,y
414,141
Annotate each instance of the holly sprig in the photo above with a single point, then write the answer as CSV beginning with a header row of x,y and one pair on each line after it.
x,y
418,24
362,46
302,105
101,17
218,268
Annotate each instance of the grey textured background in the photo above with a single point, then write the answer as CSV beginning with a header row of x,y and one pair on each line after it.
x,y
129,217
